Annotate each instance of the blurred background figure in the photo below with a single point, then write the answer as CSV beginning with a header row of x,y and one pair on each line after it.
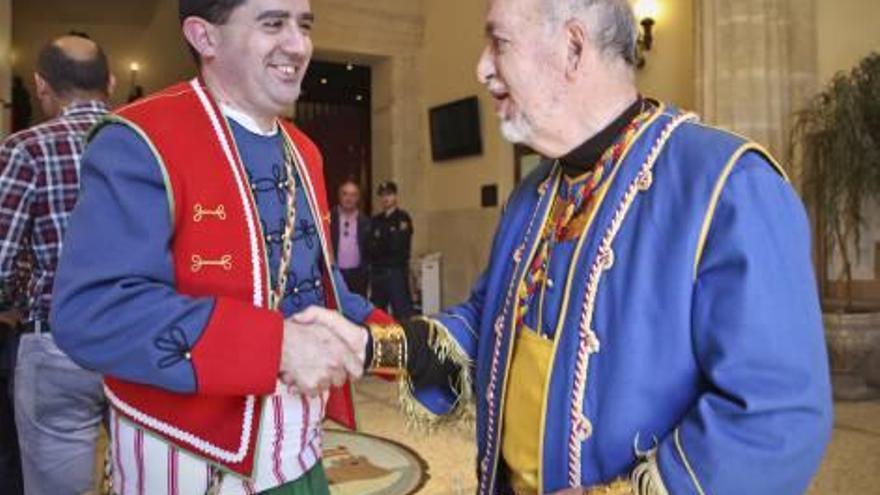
x,y
58,405
390,247
350,230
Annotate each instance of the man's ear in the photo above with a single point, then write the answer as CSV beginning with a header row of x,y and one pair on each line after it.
x,y
111,85
576,47
43,88
201,35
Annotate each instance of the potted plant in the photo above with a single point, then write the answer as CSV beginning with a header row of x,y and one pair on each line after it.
x,y
838,139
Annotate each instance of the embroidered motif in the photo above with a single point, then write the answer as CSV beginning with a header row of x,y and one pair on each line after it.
x,y
299,288
253,239
175,344
274,238
199,212
278,183
306,232
198,263
569,217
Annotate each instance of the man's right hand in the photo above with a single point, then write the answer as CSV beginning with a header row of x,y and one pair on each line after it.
x,y
313,359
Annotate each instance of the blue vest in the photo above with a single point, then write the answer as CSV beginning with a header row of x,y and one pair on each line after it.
x,y
691,324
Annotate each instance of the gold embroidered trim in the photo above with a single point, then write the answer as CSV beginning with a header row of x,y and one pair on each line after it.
x,y
200,212
687,464
198,263
446,348
389,349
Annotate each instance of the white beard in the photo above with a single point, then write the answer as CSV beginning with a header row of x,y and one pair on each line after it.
x,y
516,129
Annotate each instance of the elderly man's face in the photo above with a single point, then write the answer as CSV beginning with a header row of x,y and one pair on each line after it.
x,y
263,52
519,67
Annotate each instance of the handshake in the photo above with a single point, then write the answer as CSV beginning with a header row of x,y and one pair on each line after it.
x,y
320,349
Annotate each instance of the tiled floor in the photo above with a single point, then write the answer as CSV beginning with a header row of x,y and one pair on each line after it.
x,y
851,466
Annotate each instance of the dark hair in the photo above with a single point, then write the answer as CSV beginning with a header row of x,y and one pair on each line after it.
x,y
66,75
213,11
349,179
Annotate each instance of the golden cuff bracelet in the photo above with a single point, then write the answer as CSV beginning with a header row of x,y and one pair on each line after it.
x,y
389,349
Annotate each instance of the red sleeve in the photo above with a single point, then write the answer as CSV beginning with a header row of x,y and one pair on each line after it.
x,y
239,352
379,317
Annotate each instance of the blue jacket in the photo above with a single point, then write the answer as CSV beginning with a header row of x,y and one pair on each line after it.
x,y
691,319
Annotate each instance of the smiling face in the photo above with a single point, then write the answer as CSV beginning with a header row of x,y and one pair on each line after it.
x,y
260,55
520,68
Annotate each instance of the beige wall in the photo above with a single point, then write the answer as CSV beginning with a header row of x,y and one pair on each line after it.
x,y
670,73
5,63
848,30
457,226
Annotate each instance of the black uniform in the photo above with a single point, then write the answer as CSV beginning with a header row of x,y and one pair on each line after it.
x,y
390,244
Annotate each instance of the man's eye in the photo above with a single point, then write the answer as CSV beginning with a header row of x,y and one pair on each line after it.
x,y
500,43
306,26
274,25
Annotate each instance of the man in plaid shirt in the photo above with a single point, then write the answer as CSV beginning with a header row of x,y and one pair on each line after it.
x,y
58,405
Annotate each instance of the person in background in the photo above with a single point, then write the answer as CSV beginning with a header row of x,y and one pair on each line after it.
x,y
390,246
58,405
350,231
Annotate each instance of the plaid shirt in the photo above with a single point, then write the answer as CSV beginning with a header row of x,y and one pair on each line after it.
x,y
39,182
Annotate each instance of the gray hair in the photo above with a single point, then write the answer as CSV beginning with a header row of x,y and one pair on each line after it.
x,y
611,24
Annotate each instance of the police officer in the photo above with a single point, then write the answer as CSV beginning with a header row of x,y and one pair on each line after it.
x,y
390,244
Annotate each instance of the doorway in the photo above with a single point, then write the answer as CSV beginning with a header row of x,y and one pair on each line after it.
x,y
334,111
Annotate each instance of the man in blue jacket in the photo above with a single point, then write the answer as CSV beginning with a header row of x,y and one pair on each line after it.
x,y
648,321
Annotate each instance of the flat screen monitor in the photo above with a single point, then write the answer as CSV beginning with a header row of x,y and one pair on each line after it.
x,y
455,130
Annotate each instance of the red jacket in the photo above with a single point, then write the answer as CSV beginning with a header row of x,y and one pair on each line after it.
x,y
219,252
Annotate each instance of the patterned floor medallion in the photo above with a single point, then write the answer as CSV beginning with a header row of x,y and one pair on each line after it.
x,y
361,464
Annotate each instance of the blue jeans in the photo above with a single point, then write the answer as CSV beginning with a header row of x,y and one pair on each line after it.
x,y
59,408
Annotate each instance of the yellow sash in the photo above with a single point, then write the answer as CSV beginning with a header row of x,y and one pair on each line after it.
x,y
522,409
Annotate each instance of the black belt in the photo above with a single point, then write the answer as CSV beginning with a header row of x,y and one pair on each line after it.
x,y
38,326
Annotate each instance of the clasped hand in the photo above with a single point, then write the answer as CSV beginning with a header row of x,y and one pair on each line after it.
x,y
320,349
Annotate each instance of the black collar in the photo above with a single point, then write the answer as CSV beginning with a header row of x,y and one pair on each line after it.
x,y
583,158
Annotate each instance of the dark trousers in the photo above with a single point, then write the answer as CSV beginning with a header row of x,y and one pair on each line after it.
x,y
391,285
10,457
356,279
